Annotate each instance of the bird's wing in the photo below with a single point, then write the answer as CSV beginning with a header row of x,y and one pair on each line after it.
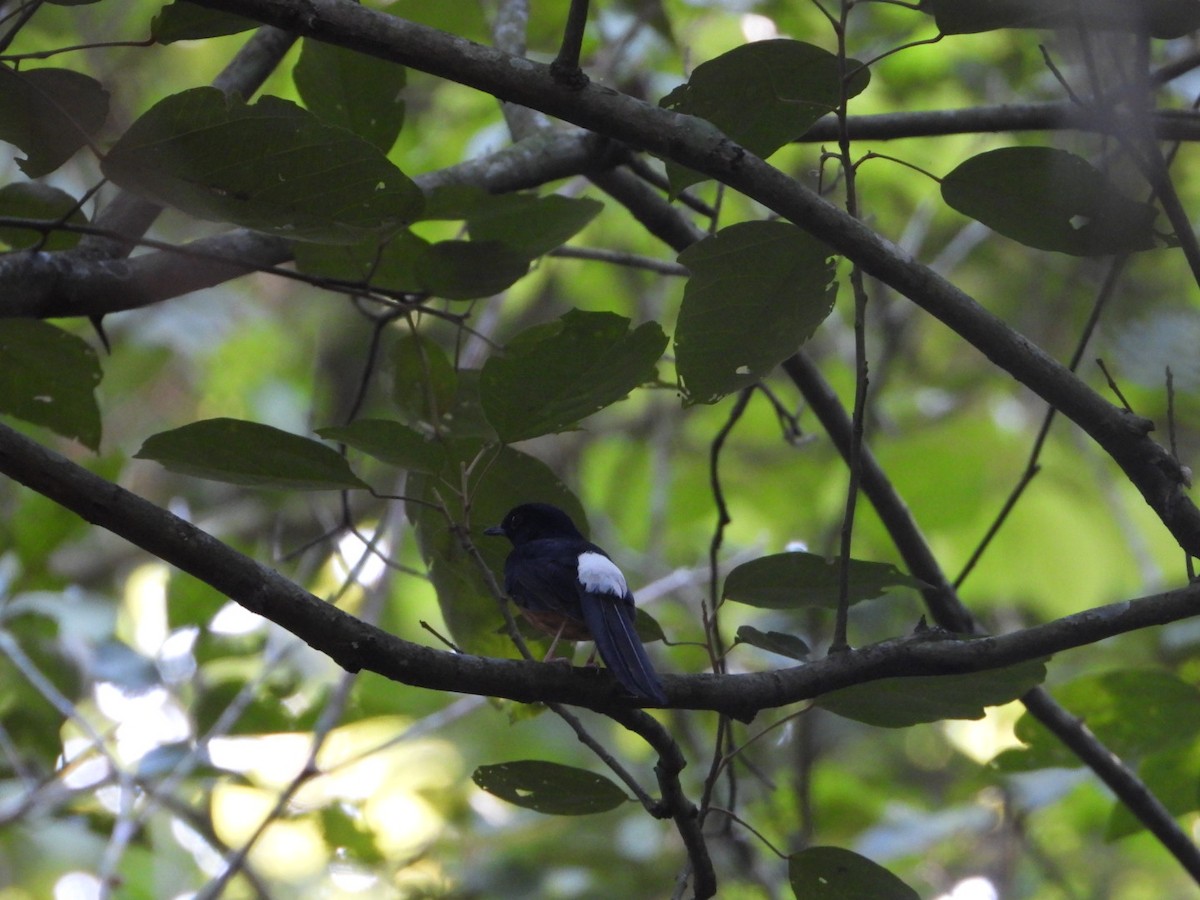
x,y
542,578
609,614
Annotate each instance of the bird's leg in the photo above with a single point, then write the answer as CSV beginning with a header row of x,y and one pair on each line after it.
x,y
554,643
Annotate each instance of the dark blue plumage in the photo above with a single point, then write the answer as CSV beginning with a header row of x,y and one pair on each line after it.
x,y
568,587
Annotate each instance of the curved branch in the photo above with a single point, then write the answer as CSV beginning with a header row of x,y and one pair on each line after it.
x,y
355,645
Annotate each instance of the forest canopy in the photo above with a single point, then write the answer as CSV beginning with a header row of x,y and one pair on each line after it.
x,y
861,337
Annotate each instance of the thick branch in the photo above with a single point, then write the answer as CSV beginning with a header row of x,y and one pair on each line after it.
x,y
355,645
1177,125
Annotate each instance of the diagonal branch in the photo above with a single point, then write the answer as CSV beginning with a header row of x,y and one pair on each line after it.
x,y
699,145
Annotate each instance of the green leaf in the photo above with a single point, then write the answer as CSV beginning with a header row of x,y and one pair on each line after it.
x,y
794,580
352,90
763,95
466,270
834,873
247,453
425,384
531,225
1161,18
551,376
273,167
182,21
774,641
550,788
499,479
406,263
389,265
901,702
49,377
757,291
49,114
33,200
389,442
1051,200
1133,712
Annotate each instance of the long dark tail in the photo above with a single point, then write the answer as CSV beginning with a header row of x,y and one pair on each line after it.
x,y
610,621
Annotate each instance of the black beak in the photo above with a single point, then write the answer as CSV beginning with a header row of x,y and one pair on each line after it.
x,y
495,531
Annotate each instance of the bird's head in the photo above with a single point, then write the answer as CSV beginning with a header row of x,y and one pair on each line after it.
x,y
535,521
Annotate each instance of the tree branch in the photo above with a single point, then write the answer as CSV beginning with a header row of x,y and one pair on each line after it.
x,y
698,144
67,283
355,645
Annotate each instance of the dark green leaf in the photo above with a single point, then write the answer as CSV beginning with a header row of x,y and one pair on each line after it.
x,y
1133,712
33,200
466,270
551,376
456,270
647,627
757,291
48,377
1049,199
390,265
834,873
549,788
352,90
793,580
763,95
389,442
532,225
775,641
1160,18
182,21
49,114
900,702
272,166
425,384
247,453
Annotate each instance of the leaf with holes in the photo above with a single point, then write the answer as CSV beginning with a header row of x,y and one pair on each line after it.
x,y
550,788
354,91
49,114
757,291
49,376
1051,200
834,873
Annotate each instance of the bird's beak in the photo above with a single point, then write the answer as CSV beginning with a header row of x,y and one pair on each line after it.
x,y
495,531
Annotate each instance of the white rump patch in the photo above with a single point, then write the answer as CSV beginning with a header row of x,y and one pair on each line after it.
x,y
600,574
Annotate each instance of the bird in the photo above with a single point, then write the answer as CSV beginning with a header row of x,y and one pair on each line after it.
x,y
570,589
